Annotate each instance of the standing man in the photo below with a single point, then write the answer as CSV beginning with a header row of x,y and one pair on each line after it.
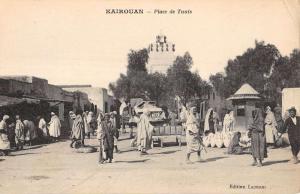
x,y
270,127
43,128
192,135
113,120
54,127
258,138
144,133
19,131
4,142
105,134
292,124
78,129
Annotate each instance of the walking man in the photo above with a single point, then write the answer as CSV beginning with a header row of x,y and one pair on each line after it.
x,y
105,135
77,130
19,131
292,124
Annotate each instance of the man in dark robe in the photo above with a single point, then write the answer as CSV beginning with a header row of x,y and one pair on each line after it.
x,y
292,124
234,146
258,138
106,133
77,129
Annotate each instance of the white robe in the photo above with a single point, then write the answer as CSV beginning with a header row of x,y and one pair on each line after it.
x,y
228,122
206,122
270,127
192,140
144,132
43,127
54,129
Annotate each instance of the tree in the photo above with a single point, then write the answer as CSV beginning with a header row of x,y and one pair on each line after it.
x,y
255,66
218,81
181,81
132,84
137,61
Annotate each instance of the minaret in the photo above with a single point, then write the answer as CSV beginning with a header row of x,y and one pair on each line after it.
x,y
161,55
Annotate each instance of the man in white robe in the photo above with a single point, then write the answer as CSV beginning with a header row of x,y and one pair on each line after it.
x,y
192,135
270,127
144,133
54,127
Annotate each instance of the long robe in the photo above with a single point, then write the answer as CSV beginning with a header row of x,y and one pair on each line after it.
x,y
86,125
19,131
209,124
228,122
4,142
78,128
258,139
106,133
270,127
144,132
43,127
54,128
30,130
192,134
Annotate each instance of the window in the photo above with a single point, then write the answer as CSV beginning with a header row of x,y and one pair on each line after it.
x,y
240,110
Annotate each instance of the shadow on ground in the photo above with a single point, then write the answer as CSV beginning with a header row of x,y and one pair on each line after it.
x,y
22,154
129,150
166,152
214,159
275,162
132,161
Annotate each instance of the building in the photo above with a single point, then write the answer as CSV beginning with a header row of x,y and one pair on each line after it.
x,y
32,96
161,55
98,97
244,101
290,97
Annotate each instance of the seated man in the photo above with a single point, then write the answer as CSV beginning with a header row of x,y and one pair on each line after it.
x,y
235,146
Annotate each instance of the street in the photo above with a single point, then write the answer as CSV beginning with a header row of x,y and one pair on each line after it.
x,y
57,169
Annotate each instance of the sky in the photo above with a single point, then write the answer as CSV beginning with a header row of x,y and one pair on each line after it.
x,y
76,42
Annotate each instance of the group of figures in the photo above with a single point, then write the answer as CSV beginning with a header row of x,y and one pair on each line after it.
x,y
266,128
15,132
105,127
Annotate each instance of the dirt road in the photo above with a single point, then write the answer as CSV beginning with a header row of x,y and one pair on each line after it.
x,y
57,169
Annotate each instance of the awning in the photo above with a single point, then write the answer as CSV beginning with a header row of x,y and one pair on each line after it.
x,y
44,99
8,101
31,100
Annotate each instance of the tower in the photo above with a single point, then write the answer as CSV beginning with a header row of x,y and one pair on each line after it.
x,y
161,55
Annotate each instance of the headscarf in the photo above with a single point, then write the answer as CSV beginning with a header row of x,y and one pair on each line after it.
x,y
258,121
5,117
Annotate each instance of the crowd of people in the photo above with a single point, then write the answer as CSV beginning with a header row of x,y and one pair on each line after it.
x,y
15,132
265,129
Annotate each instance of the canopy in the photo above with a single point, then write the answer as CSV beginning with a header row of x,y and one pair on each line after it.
x,y
245,92
8,101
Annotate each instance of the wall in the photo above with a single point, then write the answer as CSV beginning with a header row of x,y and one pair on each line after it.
x,y
242,122
97,96
290,97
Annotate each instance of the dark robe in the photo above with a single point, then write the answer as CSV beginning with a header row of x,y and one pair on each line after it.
x,y
234,146
258,138
294,134
107,136
78,128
